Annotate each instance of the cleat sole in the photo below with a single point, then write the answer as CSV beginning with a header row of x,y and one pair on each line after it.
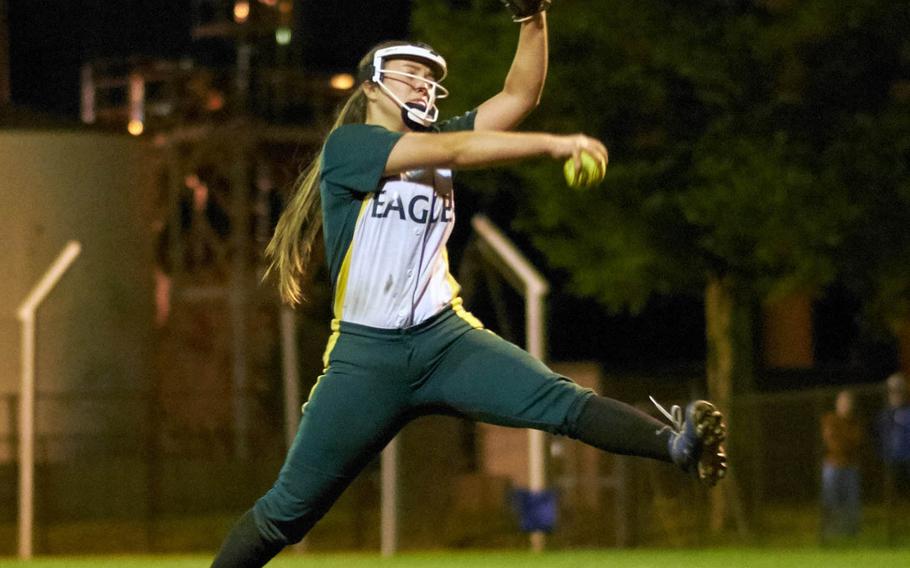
x,y
712,431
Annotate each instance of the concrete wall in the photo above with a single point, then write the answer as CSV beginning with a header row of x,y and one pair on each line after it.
x,y
94,328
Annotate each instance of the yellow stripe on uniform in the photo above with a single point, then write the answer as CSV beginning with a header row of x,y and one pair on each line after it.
x,y
333,339
342,284
456,287
457,302
340,288
457,305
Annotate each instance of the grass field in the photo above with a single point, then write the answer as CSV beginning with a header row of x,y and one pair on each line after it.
x,y
707,558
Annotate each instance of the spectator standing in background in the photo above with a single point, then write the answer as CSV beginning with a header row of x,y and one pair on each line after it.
x,y
842,436
894,433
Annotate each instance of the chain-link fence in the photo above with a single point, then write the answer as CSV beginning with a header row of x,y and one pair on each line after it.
x,y
152,485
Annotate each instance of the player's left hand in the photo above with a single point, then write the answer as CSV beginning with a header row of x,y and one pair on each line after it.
x,y
525,9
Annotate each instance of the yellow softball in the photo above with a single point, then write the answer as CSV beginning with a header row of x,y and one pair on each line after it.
x,y
590,174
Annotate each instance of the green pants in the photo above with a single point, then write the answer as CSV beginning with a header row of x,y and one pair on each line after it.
x,y
377,380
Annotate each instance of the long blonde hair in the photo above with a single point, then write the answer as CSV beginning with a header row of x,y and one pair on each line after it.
x,y
291,245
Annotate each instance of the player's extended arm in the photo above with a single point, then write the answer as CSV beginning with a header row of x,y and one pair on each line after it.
x,y
524,83
475,149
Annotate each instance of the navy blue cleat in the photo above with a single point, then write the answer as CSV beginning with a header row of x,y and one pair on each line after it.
x,y
696,444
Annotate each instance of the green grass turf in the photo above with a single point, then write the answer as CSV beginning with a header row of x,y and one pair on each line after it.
x,y
707,558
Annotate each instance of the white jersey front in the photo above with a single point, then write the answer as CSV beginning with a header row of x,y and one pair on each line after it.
x,y
398,271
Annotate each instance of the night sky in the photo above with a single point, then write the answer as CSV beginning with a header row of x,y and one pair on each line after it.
x,y
50,39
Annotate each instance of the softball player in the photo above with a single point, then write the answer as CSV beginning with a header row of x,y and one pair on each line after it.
x,y
402,344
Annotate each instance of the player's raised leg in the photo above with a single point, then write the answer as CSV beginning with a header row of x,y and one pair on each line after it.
x,y
491,380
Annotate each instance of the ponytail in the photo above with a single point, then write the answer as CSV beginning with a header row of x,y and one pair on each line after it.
x,y
291,245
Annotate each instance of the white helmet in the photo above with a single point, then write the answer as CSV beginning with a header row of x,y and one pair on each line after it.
x,y
417,116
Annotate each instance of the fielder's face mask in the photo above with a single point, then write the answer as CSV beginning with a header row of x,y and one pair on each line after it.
x,y
416,115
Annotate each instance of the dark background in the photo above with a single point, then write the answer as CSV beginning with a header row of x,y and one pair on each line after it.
x,y
50,40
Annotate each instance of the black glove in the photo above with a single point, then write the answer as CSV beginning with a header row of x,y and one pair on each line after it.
x,y
525,9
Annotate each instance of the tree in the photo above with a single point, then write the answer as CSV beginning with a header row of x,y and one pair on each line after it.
x,y
724,119
866,149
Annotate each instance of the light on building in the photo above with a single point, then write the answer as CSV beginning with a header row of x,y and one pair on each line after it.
x,y
135,127
88,94
268,2
214,100
136,102
241,11
283,36
342,81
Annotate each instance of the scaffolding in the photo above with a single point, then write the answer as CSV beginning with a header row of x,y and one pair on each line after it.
x,y
225,144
